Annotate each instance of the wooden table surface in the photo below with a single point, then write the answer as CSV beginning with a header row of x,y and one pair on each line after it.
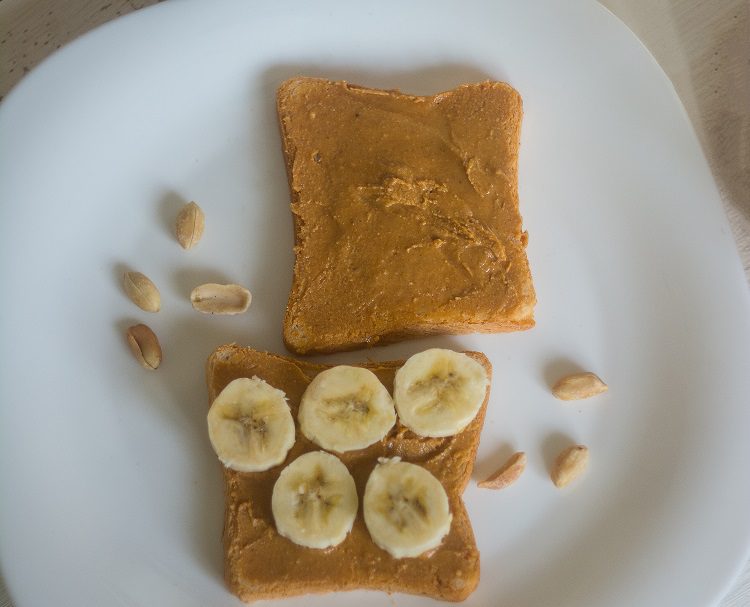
x,y
702,45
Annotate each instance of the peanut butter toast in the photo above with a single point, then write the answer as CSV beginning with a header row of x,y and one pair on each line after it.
x,y
405,212
262,564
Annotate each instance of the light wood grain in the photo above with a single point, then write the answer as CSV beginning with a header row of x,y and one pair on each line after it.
x,y
702,45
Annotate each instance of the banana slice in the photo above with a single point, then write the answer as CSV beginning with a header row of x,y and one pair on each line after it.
x,y
438,392
314,501
406,508
346,408
250,425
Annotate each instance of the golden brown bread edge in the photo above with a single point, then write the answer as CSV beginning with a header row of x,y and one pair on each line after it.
x,y
499,325
260,564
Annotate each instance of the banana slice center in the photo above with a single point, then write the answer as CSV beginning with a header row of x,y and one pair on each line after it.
x,y
254,431
251,425
342,409
316,499
437,392
407,509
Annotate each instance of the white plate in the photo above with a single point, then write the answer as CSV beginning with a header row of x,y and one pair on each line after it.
x,y
111,493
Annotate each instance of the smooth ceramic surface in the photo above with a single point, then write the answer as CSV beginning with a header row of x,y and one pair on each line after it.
x,y
110,491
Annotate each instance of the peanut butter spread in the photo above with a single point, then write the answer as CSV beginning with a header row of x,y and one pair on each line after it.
x,y
406,212
260,563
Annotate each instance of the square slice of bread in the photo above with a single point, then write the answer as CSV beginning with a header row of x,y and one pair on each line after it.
x,y
261,564
405,213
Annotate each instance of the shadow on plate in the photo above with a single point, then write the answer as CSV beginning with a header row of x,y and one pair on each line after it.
x,y
491,463
167,209
187,341
427,80
552,446
557,368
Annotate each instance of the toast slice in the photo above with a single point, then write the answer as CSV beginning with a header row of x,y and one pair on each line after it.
x,y
405,214
261,564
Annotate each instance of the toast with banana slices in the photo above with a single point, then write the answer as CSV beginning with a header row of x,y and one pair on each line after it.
x,y
381,511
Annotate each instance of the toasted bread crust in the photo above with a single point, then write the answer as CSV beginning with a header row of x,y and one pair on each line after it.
x,y
261,564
